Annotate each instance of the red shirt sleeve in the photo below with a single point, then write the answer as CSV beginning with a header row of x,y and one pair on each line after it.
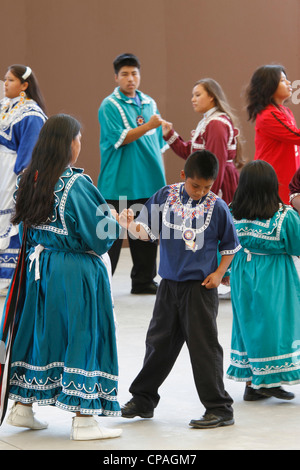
x,y
178,145
279,124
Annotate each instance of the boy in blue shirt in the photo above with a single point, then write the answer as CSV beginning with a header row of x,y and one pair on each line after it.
x,y
193,224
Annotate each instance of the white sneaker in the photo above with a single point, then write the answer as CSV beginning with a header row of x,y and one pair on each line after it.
x,y
86,428
224,292
3,292
23,416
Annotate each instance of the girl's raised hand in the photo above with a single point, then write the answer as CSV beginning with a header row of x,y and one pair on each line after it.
x,y
166,127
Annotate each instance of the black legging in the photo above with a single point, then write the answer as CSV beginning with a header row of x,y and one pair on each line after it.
x,y
143,253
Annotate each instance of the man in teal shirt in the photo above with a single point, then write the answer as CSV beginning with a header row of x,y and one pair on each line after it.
x,y
132,169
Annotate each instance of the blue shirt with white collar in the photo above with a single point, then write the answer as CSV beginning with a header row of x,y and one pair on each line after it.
x,y
169,212
135,170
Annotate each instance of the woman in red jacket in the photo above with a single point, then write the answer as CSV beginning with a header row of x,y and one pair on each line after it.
x,y
215,132
276,133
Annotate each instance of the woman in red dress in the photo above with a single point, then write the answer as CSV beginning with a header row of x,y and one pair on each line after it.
x,y
276,133
216,132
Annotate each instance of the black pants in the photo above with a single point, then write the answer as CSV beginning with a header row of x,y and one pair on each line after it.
x,y
184,312
143,253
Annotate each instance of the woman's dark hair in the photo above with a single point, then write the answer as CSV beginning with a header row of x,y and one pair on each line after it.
x,y
33,90
202,164
51,155
125,60
263,85
257,195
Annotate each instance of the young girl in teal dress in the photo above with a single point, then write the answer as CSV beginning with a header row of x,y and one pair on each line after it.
x,y
64,352
265,287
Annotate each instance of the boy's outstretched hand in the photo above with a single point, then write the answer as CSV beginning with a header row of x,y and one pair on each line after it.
x,y
126,217
126,220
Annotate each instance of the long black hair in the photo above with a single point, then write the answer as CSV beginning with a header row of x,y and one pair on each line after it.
x,y
51,155
214,89
33,90
263,84
257,195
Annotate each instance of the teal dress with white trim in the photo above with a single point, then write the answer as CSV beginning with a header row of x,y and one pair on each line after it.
x,y
65,351
265,292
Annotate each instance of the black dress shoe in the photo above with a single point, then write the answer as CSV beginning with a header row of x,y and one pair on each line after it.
x,y
277,392
145,289
251,394
210,420
131,410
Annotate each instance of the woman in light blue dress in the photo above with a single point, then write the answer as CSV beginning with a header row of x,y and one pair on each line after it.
x,y
64,353
265,286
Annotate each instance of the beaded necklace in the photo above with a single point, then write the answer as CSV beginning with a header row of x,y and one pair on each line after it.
x,y
9,108
188,213
140,120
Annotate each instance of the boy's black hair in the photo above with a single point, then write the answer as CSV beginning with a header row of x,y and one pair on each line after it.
x,y
257,195
126,59
202,164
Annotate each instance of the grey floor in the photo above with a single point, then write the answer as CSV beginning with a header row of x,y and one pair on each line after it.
x,y
267,425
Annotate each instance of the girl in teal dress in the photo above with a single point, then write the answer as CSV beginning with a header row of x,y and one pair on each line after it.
x,y
265,287
64,353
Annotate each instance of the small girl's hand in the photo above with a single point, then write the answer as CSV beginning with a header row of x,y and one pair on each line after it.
x,y
226,281
115,214
126,217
